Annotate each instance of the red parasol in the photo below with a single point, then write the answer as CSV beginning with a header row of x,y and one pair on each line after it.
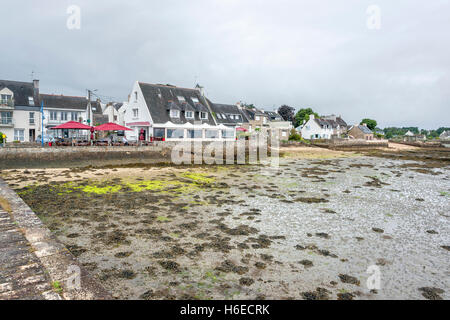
x,y
111,127
72,125
241,129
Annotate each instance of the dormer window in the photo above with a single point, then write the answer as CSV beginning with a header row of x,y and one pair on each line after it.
x,y
189,115
195,100
174,113
203,115
181,98
31,101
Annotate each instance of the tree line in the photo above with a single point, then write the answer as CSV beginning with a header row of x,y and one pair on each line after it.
x,y
298,118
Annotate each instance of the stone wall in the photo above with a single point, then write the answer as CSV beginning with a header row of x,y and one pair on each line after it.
x,y
80,156
354,144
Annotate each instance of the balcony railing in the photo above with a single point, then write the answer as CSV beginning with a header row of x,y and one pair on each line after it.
x,y
6,121
7,103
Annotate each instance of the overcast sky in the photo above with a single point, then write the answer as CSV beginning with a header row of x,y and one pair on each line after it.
x,y
318,54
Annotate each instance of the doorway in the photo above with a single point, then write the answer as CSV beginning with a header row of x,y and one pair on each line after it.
x,y
32,134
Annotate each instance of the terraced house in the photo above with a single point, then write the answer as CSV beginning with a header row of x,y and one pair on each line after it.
x,y
59,109
19,110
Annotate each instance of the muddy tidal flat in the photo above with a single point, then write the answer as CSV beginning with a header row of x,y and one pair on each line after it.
x,y
309,229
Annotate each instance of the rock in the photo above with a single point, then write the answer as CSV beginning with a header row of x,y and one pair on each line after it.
x,y
431,293
378,230
349,279
306,263
345,296
246,282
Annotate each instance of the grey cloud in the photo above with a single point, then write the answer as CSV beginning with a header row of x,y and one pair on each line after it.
x,y
301,53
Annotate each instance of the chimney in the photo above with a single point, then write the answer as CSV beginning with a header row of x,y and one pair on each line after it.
x,y
364,124
238,104
200,89
311,117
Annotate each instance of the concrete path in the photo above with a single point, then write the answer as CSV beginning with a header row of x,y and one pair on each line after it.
x,y
33,263
22,275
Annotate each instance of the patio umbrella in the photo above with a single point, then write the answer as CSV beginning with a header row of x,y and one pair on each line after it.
x,y
112,127
241,129
72,125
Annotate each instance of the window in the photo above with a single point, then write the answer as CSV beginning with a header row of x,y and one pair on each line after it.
x,y
189,115
135,96
195,99
19,135
212,134
6,117
74,116
257,118
194,134
159,132
31,117
53,115
227,134
174,113
6,98
64,116
181,98
31,101
175,133
203,115
283,134
135,113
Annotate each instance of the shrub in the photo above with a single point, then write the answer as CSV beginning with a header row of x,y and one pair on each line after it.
x,y
295,136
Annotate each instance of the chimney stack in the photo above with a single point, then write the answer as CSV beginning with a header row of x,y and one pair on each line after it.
x,y
311,117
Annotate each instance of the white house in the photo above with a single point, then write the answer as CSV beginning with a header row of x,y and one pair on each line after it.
x,y
170,113
19,110
59,109
323,128
111,110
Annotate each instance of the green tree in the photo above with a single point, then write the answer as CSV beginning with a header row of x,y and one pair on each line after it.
x,y
303,114
371,124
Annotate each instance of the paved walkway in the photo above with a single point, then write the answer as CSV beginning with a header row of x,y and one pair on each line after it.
x,y
21,274
32,258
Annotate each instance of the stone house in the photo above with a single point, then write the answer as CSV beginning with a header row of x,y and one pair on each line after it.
x,y
361,131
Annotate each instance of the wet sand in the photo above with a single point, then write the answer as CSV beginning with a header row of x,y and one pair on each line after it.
x,y
306,230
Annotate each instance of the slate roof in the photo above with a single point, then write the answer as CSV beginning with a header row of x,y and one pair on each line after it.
x,y
274,116
331,121
22,91
365,129
160,98
227,110
66,102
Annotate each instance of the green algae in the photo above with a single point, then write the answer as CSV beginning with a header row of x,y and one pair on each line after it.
x,y
199,178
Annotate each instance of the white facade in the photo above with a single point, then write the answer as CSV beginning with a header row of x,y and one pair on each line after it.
x,y
312,130
112,113
18,123
136,116
54,117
